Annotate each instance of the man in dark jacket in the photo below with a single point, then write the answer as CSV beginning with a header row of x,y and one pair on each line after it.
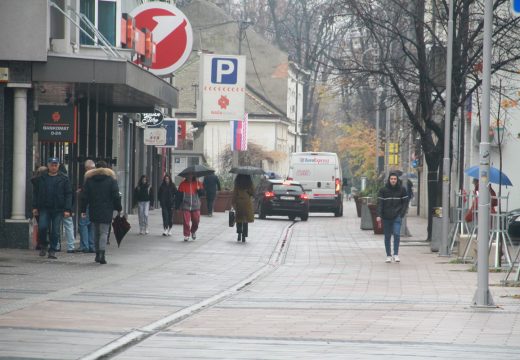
x,y
211,185
392,204
101,194
52,201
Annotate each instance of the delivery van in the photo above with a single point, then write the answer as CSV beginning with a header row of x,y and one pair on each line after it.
x,y
320,175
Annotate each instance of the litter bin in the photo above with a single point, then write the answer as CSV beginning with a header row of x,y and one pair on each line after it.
x,y
436,229
366,218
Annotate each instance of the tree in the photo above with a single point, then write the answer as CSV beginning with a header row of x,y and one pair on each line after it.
x,y
408,47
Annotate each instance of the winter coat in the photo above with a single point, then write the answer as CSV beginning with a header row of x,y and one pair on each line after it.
x,y
143,192
101,194
392,201
187,197
166,195
211,185
243,205
60,198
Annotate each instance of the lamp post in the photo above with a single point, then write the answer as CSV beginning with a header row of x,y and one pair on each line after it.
x,y
443,250
483,296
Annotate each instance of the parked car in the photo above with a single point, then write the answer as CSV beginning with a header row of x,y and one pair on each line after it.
x,y
282,198
513,225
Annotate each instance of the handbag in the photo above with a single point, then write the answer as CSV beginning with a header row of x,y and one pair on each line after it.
x,y
232,218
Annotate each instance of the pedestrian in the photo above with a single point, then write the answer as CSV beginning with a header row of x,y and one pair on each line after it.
x,y
86,229
166,197
101,195
52,201
143,195
68,223
34,181
243,191
409,190
211,186
188,201
392,204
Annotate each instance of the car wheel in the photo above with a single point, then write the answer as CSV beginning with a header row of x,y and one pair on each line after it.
x,y
305,217
292,217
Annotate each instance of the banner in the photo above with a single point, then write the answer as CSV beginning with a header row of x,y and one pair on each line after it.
x,y
171,132
239,134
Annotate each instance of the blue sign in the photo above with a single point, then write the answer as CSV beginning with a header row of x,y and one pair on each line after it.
x,y
171,132
515,6
224,71
415,163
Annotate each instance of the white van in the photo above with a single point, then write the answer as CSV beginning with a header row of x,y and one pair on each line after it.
x,y
320,175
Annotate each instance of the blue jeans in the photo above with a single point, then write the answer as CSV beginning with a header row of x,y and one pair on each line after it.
x,y
392,227
50,220
68,229
86,233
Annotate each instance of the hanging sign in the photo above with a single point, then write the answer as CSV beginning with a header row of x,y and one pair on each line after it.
x,y
154,136
151,119
56,123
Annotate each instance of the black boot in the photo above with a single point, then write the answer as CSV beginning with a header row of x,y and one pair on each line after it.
x,y
239,238
102,257
97,257
243,238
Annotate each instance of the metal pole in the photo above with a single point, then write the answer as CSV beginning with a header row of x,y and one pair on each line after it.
x,y
387,138
443,250
482,295
378,113
296,115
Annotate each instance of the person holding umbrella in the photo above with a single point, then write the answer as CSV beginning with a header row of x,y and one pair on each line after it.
x,y
243,192
101,195
188,201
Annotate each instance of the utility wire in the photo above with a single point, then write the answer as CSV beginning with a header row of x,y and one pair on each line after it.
x,y
254,67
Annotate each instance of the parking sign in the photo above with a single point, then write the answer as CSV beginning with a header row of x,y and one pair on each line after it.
x,y
222,90
515,6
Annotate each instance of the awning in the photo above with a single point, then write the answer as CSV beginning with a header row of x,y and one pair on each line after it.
x,y
118,84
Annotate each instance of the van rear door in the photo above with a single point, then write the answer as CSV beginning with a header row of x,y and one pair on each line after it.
x,y
316,174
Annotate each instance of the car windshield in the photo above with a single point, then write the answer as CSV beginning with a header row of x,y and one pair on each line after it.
x,y
280,188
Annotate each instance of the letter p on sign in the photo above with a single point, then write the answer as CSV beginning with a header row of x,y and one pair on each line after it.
x,y
224,71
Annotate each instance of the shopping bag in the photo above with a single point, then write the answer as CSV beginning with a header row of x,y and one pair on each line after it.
x,y
232,218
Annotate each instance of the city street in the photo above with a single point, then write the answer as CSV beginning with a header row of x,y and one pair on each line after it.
x,y
309,290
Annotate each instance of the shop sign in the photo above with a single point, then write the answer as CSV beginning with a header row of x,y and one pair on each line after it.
x,y
151,119
56,123
155,136
171,35
171,127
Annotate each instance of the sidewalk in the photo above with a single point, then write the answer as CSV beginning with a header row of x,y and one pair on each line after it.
x,y
326,294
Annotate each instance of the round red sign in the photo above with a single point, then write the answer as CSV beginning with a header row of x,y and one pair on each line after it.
x,y
171,32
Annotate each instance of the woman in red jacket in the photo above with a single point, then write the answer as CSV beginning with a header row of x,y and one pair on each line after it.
x,y
187,200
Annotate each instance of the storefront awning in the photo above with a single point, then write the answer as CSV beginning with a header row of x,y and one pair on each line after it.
x,y
118,84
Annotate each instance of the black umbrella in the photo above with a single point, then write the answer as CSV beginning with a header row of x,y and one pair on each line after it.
x,y
197,170
121,227
247,170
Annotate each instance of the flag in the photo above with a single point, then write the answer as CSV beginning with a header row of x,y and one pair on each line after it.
x,y
239,134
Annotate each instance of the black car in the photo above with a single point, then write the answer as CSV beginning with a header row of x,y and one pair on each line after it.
x,y
282,198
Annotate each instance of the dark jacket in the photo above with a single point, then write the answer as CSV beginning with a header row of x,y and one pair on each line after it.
x,y
392,201
211,185
143,192
101,194
61,198
166,195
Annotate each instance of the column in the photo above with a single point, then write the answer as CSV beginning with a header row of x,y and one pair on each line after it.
x,y
19,154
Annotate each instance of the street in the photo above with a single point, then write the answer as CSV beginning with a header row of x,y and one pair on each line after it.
x,y
308,290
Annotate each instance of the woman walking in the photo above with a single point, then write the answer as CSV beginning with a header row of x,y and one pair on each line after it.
x,y
143,195
187,199
166,197
243,191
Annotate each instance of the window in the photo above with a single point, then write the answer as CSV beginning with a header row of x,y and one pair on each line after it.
x,y
103,14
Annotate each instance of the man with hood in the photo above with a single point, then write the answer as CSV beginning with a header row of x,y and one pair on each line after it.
x,y
101,195
392,204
